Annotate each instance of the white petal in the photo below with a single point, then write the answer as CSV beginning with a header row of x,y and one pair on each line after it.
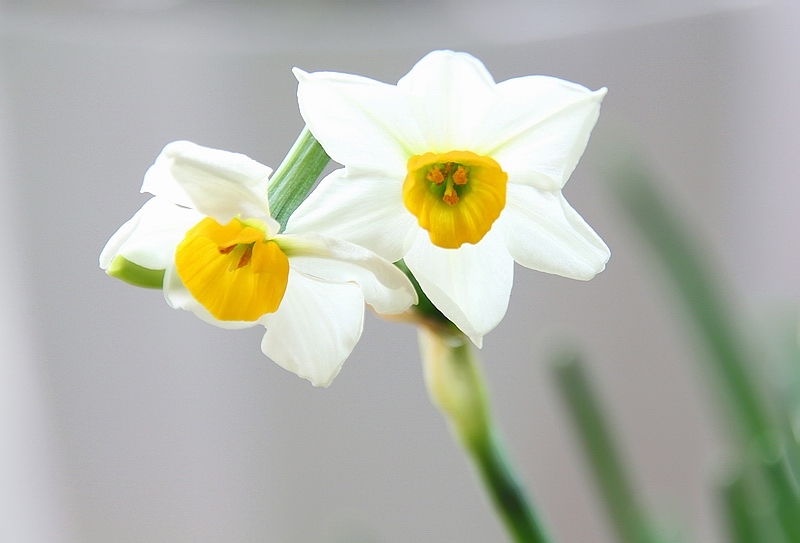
x,y
149,238
217,183
178,297
470,285
315,328
384,286
364,209
159,181
359,121
539,129
544,233
449,93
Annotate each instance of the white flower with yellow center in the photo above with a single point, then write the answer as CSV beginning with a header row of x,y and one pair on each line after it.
x,y
209,228
457,175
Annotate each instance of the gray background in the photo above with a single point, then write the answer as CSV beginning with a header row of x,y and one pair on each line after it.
x,y
123,420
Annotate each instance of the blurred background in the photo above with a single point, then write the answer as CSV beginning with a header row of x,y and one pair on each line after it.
x,y
124,420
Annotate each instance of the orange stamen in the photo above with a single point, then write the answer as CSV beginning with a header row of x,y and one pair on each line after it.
x,y
245,260
435,176
450,196
460,176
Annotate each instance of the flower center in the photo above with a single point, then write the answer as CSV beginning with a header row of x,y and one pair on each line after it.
x,y
233,272
455,196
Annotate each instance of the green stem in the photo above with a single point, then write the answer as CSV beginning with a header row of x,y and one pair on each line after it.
x,y
456,386
508,494
604,459
292,181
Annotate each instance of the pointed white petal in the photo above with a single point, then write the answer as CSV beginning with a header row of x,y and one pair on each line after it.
x,y
470,285
544,233
449,93
364,209
217,183
539,129
149,238
384,286
315,328
178,297
359,121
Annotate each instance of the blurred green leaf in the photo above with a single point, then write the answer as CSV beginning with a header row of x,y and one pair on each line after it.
x,y
762,440
599,446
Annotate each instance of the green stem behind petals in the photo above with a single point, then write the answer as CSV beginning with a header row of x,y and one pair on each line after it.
x,y
601,451
292,181
456,386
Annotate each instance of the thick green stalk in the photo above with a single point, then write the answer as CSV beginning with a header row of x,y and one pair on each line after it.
x,y
292,181
598,444
507,492
456,386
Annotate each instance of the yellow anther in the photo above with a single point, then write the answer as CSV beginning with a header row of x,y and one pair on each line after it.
x,y
460,176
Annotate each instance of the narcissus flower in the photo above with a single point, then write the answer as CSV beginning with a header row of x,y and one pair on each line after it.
x,y
208,227
457,175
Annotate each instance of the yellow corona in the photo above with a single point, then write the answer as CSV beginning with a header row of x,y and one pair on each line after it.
x,y
232,270
455,196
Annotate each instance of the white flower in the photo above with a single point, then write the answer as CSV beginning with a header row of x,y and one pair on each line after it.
x,y
209,227
456,174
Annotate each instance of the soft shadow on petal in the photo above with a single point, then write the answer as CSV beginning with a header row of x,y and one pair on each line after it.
x,y
359,120
219,184
149,238
471,285
544,233
384,286
315,328
449,93
540,128
363,208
